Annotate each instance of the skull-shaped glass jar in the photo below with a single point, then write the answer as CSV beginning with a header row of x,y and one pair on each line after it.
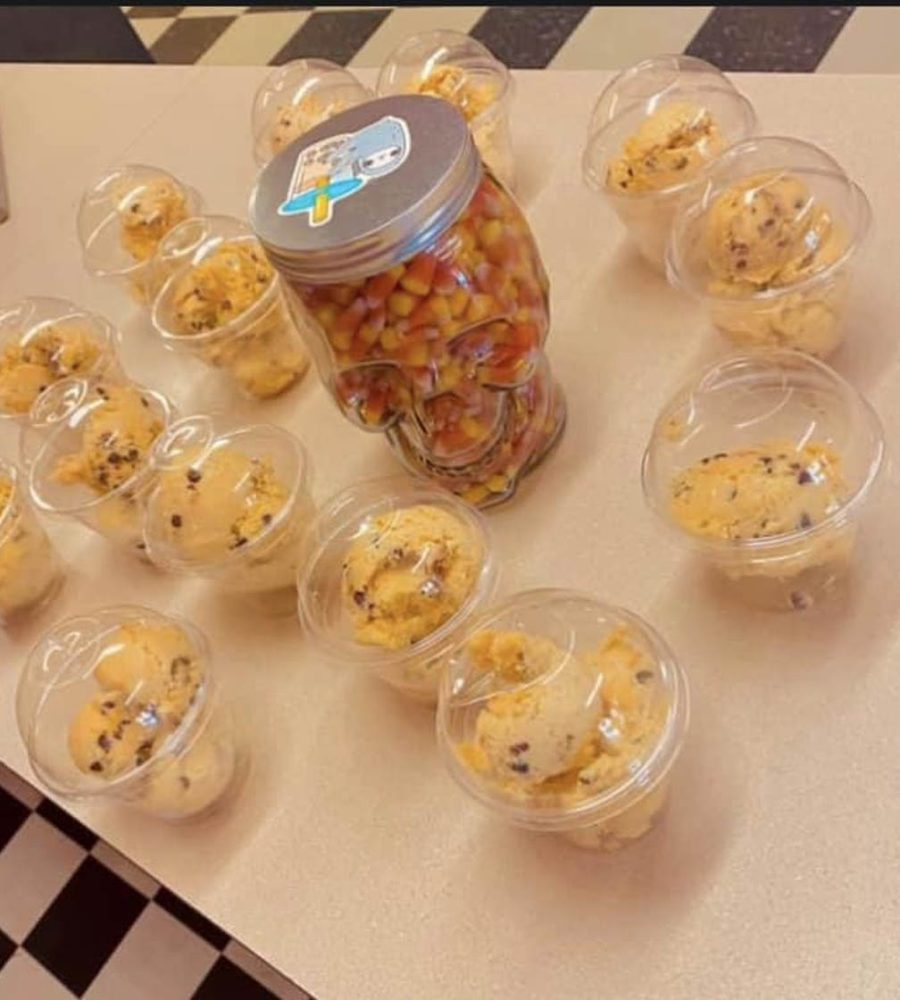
x,y
426,288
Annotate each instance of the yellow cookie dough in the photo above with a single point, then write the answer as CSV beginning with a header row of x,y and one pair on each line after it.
x,y
293,120
407,573
189,784
759,492
29,568
147,215
669,148
111,736
52,353
452,83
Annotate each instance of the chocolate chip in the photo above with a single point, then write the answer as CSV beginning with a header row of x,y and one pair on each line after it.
x,y
805,521
239,541
519,766
359,598
143,752
133,454
518,748
104,742
108,705
721,454
176,520
184,782
114,458
799,600
643,676
804,477
96,766
267,519
194,475
740,264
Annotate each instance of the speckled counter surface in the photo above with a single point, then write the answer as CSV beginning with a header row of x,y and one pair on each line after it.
x,y
351,861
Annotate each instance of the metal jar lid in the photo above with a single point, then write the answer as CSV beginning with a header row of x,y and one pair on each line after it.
x,y
365,190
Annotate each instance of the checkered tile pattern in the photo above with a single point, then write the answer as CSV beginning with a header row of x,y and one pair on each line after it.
x,y
77,919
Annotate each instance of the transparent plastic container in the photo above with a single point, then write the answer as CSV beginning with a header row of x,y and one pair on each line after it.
x,y
31,571
762,464
564,715
459,69
221,301
653,133
89,457
427,298
45,340
771,245
392,573
123,216
230,505
296,97
121,704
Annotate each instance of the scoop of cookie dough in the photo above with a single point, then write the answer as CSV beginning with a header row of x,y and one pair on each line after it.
x,y
293,120
216,503
758,492
54,352
111,736
148,213
116,439
407,573
190,783
670,147
454,84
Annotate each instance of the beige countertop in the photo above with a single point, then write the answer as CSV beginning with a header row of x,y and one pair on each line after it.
x,y
351,861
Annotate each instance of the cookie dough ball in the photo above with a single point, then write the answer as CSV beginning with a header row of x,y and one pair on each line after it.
x,y
407,574
758,492
154,665
225,499
191,783
53,353
452,83
117,437
110,736
148,214
670,147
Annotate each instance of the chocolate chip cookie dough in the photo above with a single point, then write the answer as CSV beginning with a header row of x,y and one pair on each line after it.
x,y
147,213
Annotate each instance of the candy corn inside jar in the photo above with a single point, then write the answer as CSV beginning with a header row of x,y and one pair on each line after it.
x,y
425,287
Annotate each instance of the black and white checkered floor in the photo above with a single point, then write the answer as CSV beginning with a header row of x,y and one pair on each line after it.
x,y
77,919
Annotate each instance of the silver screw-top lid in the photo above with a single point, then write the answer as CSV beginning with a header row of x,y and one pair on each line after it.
x,y
366,189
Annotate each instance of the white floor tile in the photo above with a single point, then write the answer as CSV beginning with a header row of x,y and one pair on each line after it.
x,y
158,958
868,43
406,21
136,877
263,973
150,28
253,39
34,866
16,786
22,978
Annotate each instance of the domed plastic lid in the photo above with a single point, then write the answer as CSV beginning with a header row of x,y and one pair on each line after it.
x,y
392,569
298,96
556,708
774,213
366,189
45,340
124,215
104,694
220,494
658,124
449,65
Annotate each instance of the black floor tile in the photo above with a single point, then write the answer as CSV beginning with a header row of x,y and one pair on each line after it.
x,y
225,979
7,948
84,925
12,815
527,37
336,35
68,34
188,38
191,918
149,11
768,39
67,824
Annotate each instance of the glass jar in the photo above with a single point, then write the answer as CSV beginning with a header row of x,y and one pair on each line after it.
x,y
296,97
763,464
123,216
653,132
89,452
392,572
221,301
454,66
45,340
230,505
771,245
565,715
427,298
121,704
31,571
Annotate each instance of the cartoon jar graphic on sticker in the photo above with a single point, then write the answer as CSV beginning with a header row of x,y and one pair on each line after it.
x,y
424,294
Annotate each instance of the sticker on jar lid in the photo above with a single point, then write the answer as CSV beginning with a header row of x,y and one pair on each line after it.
x,y
337,167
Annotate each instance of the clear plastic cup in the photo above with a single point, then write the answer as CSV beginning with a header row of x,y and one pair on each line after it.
x,y
45,340
123,216
296,97
562,714
458,68
222,302
641,95
31,571
771,244
393,572
91,458
121,704
230,505
762,464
